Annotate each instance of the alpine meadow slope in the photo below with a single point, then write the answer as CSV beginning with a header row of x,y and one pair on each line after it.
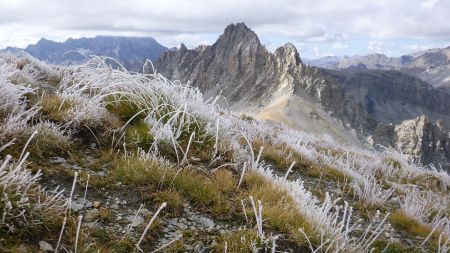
x,y
96,158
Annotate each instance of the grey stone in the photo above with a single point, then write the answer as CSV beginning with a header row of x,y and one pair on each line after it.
x,y
145,212
58,160
182,226
100,173
76,206
138,221
173,222
77,167
45,246
207,222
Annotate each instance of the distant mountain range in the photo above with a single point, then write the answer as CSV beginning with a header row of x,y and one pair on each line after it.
x,y
131,52
432,66
354,105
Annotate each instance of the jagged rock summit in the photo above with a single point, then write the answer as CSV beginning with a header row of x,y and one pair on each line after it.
x,y
273,86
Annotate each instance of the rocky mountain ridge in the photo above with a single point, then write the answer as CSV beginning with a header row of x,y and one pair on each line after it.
x,y
432,66
131,52
252,79
280,87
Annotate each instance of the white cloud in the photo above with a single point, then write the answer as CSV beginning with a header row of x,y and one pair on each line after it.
x,y
318,52
339,45
376,46
429,4
381,47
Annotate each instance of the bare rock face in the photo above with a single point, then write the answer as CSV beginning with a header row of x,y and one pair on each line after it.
x,y
229,65
392,96
241,69
423,140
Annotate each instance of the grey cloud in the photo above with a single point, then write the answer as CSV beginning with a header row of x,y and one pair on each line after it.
x,y
304,20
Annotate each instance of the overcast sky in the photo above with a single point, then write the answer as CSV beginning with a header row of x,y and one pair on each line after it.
x,y
316,27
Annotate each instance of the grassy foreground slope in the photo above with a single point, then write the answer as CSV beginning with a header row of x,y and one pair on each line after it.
x,y
95,159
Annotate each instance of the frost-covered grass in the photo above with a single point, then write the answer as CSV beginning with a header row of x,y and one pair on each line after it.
x,y
176,114
173,145
24,204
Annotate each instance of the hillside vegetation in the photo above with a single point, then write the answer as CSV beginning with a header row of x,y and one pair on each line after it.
x,y
96,159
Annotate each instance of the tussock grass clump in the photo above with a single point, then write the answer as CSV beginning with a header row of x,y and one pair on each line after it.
x,y
403,221
138,135
104,215
86,111
280,155
154,174
24,205
55,108
124,109
51,139
370,193
176,114
30,70
173,199
225,181
244,241
280,210
14,114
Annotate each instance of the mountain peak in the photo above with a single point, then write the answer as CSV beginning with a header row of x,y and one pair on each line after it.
x,y
289,54
237,27
238,33
182,47
46,41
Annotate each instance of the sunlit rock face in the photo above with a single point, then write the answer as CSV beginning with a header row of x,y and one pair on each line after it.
x,y
425,141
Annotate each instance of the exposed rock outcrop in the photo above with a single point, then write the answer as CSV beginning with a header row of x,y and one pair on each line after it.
x,y
425,141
